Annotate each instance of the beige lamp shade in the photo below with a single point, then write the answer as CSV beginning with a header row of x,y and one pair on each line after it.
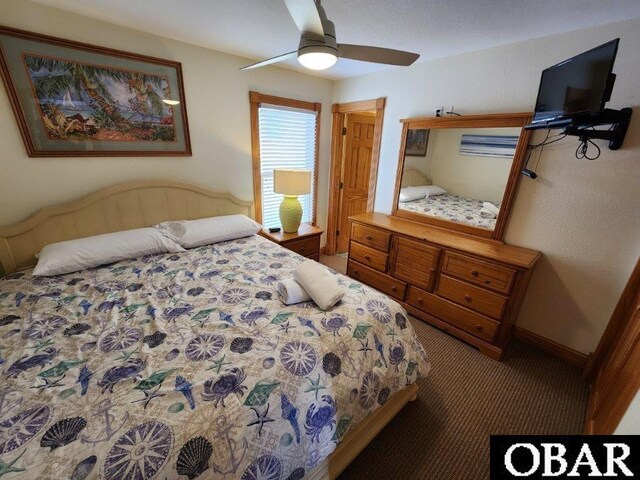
x,y
292,182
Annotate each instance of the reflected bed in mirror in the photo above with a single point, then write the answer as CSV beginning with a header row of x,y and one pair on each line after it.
x,y
462,176
461,172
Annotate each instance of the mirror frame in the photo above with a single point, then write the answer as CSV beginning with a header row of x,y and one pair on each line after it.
x,y
469,121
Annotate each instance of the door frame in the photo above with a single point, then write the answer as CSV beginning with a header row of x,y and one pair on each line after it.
x,y
622,315
339,112
617,323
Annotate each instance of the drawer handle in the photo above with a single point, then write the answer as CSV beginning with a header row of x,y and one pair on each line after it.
x,y
468,298
479,327
355,271
393,288
367,257
420,301
431,270
475,273
369,237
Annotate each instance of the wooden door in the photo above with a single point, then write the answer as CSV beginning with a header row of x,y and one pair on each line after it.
x,y
356,170
616,371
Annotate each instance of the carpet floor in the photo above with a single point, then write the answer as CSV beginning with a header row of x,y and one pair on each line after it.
x,y
467,397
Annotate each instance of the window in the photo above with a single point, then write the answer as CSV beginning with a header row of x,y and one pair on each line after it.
x,y
284,135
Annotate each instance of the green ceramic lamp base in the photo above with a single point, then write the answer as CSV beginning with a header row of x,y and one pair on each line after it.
x,y
290,214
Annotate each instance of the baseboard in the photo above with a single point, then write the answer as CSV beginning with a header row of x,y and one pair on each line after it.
x,y
323,250
563,352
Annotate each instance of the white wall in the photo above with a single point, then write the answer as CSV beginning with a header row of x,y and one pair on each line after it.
x,y
481,178
630,422
217,97
584,216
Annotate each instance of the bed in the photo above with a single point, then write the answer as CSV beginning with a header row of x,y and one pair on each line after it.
x,y
187,365
452,208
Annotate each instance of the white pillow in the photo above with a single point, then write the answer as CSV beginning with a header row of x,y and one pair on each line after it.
x,y
88,252
194,233
433,190
409,194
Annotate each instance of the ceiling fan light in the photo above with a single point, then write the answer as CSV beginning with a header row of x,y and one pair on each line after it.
x,y
317,60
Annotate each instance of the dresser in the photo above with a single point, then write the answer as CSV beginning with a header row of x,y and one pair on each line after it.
x,y
469,287
305,242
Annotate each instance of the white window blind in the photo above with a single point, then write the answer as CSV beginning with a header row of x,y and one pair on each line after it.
x,y
288,141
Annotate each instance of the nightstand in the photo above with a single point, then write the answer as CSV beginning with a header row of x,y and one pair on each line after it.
x,y
305,242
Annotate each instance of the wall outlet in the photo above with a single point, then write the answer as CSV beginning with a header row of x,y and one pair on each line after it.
x,y
444,111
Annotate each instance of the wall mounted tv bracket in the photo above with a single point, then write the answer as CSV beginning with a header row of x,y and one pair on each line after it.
x,y
618,119
581,127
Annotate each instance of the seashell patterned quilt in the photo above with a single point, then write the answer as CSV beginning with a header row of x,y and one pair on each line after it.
x,y
183,366
452,208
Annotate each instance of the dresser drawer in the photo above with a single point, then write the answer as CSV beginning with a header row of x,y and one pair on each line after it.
x,y
306,247
460,317
371,237
476,271
415,262
476,298
377,280
368,256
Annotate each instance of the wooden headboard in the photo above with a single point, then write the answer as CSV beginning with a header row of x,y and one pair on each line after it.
x,y
120,207
412,177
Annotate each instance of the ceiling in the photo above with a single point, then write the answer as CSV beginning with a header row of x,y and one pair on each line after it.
x,y
258,29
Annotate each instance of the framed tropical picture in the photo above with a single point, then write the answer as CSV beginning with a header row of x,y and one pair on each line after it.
x,y
417,142
73,100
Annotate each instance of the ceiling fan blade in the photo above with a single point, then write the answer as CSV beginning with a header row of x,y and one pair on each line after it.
x,y
377,55
305,15
269,61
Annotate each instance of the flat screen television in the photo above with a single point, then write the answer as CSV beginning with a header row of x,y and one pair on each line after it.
x,y
578,87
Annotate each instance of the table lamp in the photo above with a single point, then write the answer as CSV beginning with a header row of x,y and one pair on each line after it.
x,y
291,183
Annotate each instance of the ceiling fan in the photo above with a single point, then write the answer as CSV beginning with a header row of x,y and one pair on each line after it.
x,y
318,49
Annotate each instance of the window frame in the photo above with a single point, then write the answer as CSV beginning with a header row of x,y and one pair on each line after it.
x,y
256,100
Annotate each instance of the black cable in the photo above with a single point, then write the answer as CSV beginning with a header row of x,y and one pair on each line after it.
x,y
546,141
582,152
538,159
560,137
527,158
541,145
454,113
532,147
540,154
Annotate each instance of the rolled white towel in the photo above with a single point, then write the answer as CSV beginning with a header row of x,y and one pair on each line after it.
x,y
321,286
484,213
491,208
291,292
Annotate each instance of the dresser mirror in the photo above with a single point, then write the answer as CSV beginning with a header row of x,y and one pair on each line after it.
x,y
461,173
